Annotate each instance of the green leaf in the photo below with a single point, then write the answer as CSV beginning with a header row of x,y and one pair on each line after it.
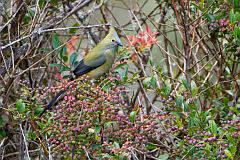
x,y
151,146
133,116
237,16
106,155
2,123
74,30
63,53
54,2
55,41
20,105
232,16
31,135
55,65
236,32
208,147
64,68
40,125
213,127
119,66
228,153
28,16
186,84
209,2
38,111
116,145
166,90
125,74
163,157
153,81
194,88
179,100
120,157
97,129
179,122
73,59
236,4
191,123
146,82
211,17
41,3
233,148
2,133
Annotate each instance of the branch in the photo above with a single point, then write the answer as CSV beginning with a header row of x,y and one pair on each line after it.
x,y
18,54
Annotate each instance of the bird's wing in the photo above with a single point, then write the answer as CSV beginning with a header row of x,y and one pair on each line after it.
x,y
86,65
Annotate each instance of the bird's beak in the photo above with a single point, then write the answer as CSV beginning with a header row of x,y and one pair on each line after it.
x,y
119,43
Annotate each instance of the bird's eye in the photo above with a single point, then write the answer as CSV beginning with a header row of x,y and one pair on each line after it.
x,y
113,40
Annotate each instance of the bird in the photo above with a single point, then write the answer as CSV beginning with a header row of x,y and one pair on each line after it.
x,y
97,62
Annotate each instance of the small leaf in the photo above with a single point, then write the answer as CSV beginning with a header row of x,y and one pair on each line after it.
x,y
2,133
73,59
64,68
166,90
125,74
74,30
228,153
55,41
154,81
213,127
179,122
236,32
236,4
106,155
211,17
116,145
163,157
133,116
179,100
20,105
119,66
146,81
97,129
120,157
55,65
38,111
208,147
40,125
194,88
186,84
53,2
2,123
41,3
232,16
233,148
151,146
63,54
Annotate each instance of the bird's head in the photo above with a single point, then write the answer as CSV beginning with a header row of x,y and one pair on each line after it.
x,y
112,40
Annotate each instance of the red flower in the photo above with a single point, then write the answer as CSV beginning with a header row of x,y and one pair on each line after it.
x,y
143,40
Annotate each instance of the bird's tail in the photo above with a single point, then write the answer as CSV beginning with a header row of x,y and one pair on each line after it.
x,y
53,101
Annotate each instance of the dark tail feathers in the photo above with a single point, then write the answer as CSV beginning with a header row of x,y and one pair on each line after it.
x,y
53,101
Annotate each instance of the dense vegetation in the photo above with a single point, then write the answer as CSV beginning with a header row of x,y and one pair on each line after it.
x,y
173,92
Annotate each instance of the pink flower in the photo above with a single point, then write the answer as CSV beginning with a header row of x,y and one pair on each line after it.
x,y
223,22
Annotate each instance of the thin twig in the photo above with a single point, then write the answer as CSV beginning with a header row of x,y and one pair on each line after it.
x,y
25,142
